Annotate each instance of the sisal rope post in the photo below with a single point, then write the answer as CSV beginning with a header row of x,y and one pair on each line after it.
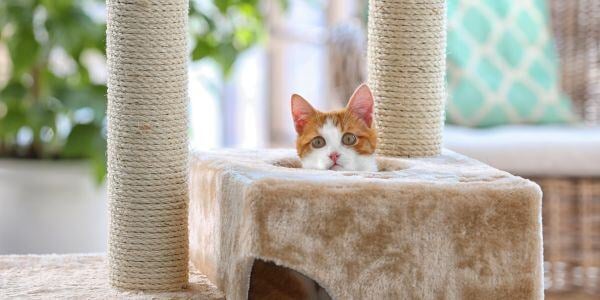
x,y
147,144
406,70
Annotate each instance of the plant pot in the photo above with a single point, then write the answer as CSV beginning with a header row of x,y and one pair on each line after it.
x,y
51,207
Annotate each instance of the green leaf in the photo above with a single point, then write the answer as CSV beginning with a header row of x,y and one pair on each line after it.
x,y
98,164
15,118
203,48
86,141
23,49
223,5
82,141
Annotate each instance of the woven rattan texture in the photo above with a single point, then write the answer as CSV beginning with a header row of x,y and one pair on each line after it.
x,y
571,208
406,66
147,144
576,25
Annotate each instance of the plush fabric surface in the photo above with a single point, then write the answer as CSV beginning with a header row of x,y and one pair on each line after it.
x,y
550,150
443,227
79,277
503,65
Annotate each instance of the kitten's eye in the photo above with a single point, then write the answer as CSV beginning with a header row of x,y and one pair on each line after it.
x,y
318,142
349,139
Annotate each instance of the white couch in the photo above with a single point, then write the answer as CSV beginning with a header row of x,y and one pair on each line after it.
x,y
531,151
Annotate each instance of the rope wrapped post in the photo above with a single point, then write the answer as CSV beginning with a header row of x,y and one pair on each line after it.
x,y
147,144
406,66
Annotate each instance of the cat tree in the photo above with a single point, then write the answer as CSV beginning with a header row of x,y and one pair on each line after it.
x,y
437,226
147,144
407,66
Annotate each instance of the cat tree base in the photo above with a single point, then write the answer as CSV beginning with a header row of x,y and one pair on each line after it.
x,y
428,228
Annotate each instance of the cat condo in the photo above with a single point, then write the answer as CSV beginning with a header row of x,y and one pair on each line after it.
x,y
429,224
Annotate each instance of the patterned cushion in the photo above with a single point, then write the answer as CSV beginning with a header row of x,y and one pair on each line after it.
x,y
502,64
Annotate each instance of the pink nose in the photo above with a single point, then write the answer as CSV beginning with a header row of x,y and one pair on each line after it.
x,y
334,156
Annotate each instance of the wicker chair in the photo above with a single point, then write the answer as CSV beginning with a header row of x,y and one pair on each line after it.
x,y
571,211
576,25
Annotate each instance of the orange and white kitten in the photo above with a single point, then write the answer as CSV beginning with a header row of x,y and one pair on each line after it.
x,y
341,140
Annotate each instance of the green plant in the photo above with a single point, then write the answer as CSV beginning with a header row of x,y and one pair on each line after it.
x,y
222,29
51,106
51,109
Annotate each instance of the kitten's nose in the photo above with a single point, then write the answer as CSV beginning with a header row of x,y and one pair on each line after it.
x,y
334,156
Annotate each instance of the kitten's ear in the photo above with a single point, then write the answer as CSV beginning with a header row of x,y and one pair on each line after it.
x,y
301,112
361,104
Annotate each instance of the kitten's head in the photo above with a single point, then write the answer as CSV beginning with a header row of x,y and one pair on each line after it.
x,y
341,140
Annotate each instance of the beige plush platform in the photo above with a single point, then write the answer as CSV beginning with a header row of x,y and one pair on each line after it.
x,y
436,228
79,277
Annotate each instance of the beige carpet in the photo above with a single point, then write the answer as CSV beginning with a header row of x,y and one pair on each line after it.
x,y
79,277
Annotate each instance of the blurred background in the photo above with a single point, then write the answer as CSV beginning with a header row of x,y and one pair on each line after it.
x,y
523,96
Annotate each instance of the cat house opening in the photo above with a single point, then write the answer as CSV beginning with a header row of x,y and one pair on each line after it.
x,y
384,164
270,281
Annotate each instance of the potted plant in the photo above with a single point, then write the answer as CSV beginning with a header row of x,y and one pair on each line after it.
x,y
52,113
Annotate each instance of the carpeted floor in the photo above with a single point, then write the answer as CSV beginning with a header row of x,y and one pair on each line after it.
x,y
79,277
85,277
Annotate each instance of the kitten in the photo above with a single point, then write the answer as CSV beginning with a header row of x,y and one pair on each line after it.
x,y
341,140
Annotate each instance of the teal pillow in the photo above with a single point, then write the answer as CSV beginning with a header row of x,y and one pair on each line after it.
x,y
502,65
